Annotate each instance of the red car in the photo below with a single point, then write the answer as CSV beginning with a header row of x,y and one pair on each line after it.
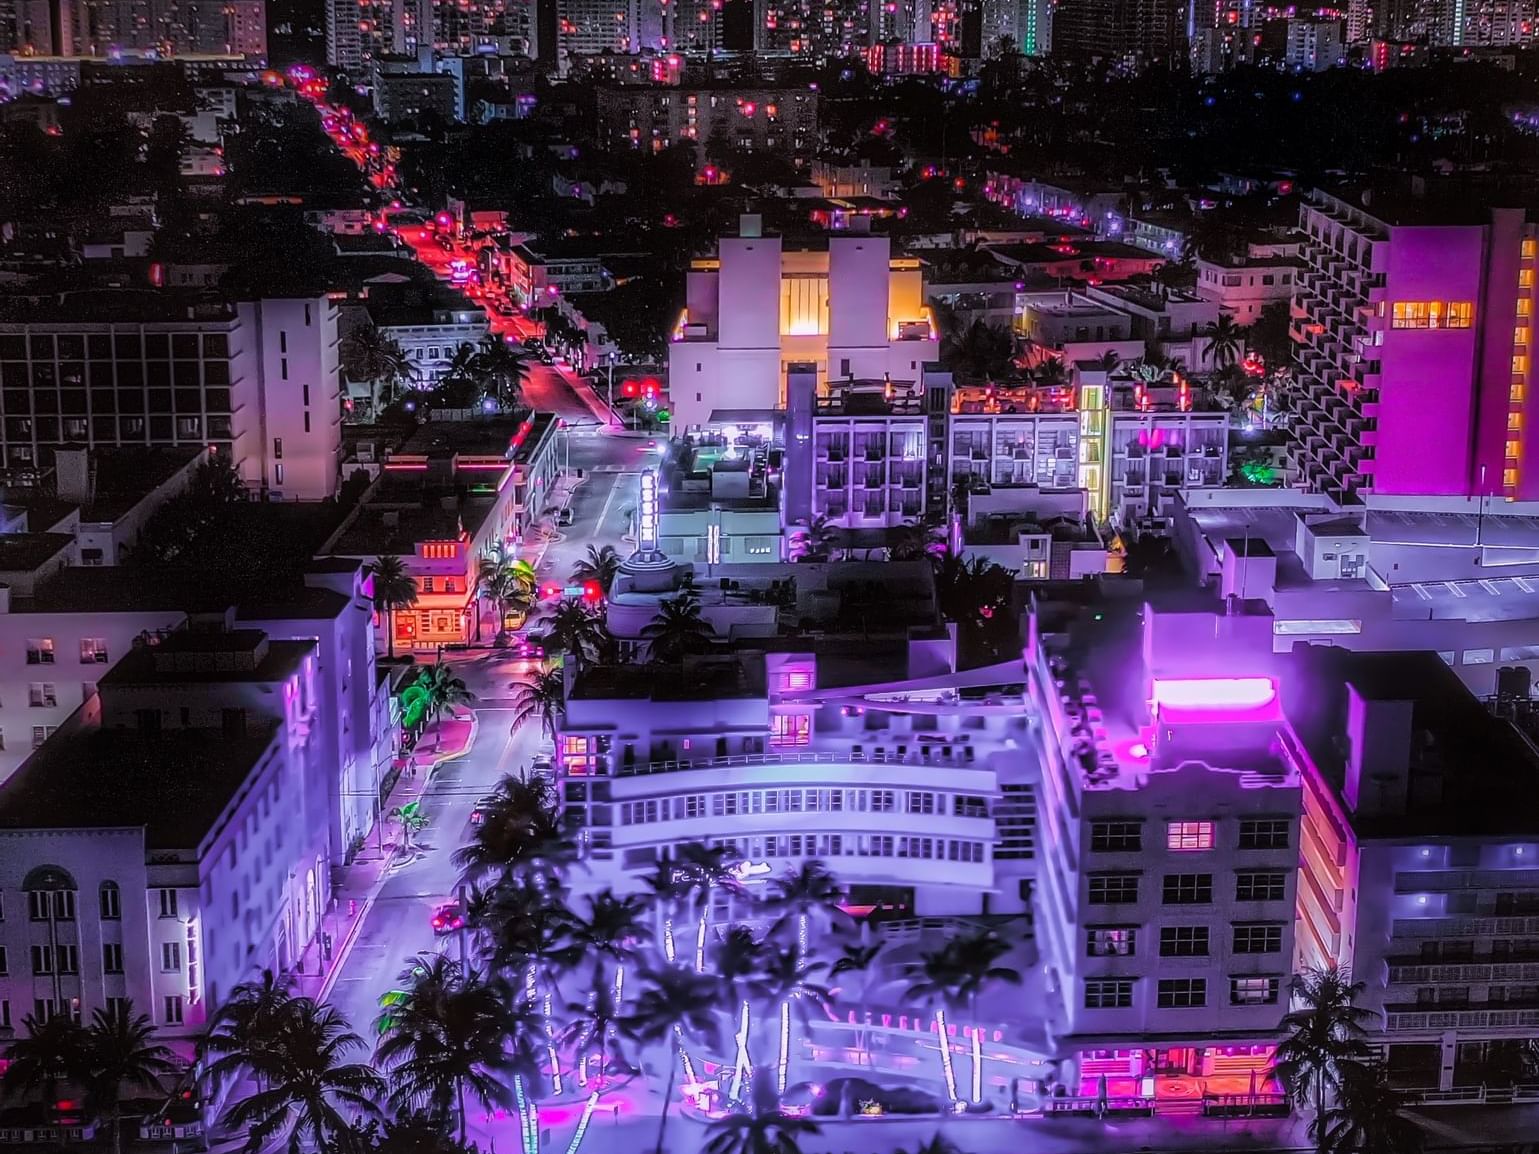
x,y
447,918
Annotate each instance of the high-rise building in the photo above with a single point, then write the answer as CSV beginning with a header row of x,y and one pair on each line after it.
x,y
1148,30
256,380
1460,23
104,27
850,308
1413,323
357,31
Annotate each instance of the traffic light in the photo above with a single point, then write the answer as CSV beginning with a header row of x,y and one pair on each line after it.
x,y
629,389
591,591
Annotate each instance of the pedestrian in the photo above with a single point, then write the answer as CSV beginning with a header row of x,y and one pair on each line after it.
x,y
617,1113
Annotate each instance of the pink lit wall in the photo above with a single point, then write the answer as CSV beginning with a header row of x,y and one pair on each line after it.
x,y
1430,379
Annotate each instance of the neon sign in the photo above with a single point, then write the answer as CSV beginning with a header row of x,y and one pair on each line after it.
x,y
646,513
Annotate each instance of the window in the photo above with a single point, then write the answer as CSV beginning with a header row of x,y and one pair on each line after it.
x,y
171,956
167,903
1110,941
1265,833
1253,991
277,474
112,958
790,729
93,651
67,958
1181,993
1188,835
1188,889
1258,939
920,802
1183,941
5,1015
111,902
41,733
4,965
42,960
117,1007
1432,315
1260,885
1108,993
277,448
1116,836
43,695
1111,889
40,651
173,1010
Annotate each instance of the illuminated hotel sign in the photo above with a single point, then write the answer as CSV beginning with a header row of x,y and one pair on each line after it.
x,y
646,513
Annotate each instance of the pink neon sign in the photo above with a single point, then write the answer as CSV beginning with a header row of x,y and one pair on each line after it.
x,y
1215,693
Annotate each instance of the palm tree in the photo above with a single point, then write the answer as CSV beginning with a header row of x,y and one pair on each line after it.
x,y
1109,361
51,1053
785,980
1051,373
763,1129
614,928
691,874
600,565
1367,1119
506,587
957,973
594,1025
1325,1043
816,540
575,629
393,589
937,1143
738,962
677,630
541,695
800,894
441,689
308,1089
979,351
859,959
525,933
676,1004
505,365
521,836
918,537
1223,337
454,1034
120,1050
369,355
251,1021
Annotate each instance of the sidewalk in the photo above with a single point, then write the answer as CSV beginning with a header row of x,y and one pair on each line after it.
x,y
353,895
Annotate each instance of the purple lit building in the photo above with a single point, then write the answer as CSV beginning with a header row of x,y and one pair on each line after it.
x,y
1413,320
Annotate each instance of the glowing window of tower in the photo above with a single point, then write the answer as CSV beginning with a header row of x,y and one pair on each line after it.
x,y
803,305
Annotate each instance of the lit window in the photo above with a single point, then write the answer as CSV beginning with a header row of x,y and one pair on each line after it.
x,y
1510,478
790,729
1526,278
1520,335
1116,942
1519,363
1188,835
1516,394
1528,248
1525,306
795,679
1253,991
1514,422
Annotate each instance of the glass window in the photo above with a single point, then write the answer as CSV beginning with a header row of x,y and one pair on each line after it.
x,y
1253,991
1258,939
1183,836
111,902
1116,836
1183,941
1181,993
1112,889
1265,833
1260,885
790,729
1188,889
1108,993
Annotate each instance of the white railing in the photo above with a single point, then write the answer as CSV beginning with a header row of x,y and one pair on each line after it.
x,y
877,756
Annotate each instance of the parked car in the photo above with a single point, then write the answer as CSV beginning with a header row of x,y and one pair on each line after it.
x,y
565,517
482,807
447,918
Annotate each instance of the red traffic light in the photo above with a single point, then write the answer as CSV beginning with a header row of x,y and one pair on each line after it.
x,y
591,590
628,389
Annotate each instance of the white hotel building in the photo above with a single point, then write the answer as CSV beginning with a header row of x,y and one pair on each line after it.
x,y
917,794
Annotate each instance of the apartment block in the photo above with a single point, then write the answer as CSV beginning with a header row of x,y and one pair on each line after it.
x,y
171,840
779,120
1166,902
254,380
1419,841
1412,319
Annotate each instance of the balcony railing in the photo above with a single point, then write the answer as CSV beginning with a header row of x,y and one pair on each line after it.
x,y
926,754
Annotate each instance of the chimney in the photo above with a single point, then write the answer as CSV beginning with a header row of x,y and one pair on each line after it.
x,y
72,475
1378,770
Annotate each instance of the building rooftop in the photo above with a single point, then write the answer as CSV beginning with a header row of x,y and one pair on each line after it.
x,y
91,307
201,657
496,437
124,477
174,784
27,552
706,677
1469,773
